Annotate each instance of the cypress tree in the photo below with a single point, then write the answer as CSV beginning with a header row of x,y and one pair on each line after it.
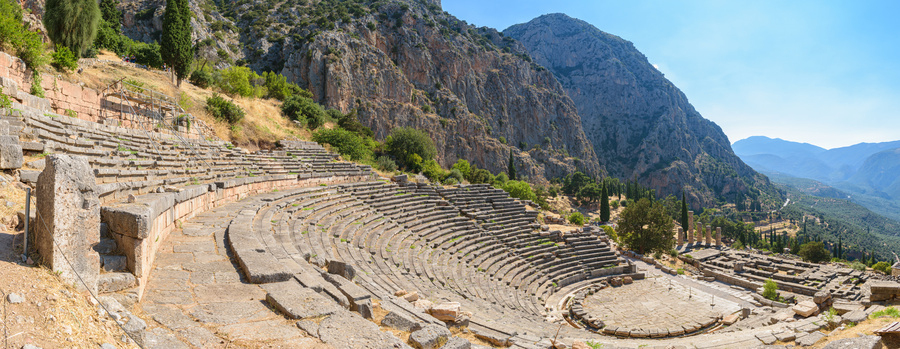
x,y
840,248
604,204
511,168
684,211
175,46
72,23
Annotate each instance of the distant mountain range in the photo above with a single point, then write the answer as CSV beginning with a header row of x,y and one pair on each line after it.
x,y
868,170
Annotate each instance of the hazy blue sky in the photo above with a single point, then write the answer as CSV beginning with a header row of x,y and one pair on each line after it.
x,y
823,72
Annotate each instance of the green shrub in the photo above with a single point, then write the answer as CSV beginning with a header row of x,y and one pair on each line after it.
x,y
346,142
814,251
480,176
5,102
350,123
883,267
576,218
406,141
36,88
770,290
889,312
63,59
433,171
858,266
303,109
279,88
201,78
522,190
385,163
501,179
455,174
223,109
239,81
611,232
14,36
463,167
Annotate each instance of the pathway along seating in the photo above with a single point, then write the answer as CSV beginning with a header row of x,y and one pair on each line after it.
x,y
409,237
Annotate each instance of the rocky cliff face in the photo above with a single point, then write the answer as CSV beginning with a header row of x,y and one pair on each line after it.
x,y
641,126
402,63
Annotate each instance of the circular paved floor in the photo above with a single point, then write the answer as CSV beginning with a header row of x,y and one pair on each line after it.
x,y
655,308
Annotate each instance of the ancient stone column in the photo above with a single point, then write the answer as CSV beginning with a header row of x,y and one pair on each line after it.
x,y
67,225
690,227
690,235
718,236
680,236
708,235
699,232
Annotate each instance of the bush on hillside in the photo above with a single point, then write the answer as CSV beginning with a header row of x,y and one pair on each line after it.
x,y
433,171
350,123
456,175
63,59
406,141
305,110
522,190
240,81
345,142
481,176
72,23
814,251
201,78
26,44
223,109
385,163
883,267
576,218
279,88
463,167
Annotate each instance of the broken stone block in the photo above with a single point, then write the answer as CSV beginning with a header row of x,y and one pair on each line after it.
x,y
430,337
445,311
113,263
806,308
627,280
11,156
342,269
457,343
298,302
862,342
400,321
411,297
68,212
821,296
115,282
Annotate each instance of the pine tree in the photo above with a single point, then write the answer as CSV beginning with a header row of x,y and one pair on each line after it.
x,y
604,204
511,168
72,23
175,46
840,248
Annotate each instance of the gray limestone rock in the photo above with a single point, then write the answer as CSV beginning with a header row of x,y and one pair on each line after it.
x,y
136,329
115,282
400,321
333,330
10,156
298,302
29,176
862,342
15,298
342,269
457,343
113,263
430,337
810,338
68,205
107,346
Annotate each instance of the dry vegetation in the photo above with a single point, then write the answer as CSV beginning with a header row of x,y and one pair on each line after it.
x,y
261,128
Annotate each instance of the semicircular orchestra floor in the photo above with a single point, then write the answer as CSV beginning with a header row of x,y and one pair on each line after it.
x,y
651,308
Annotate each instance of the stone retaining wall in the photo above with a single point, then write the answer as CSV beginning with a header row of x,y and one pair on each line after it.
x,y
61,95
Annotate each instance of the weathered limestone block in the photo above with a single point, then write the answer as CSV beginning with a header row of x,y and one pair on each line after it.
x,y
400,321
680,236
342,269
68,211
805,308
430,337
11,156
448,311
